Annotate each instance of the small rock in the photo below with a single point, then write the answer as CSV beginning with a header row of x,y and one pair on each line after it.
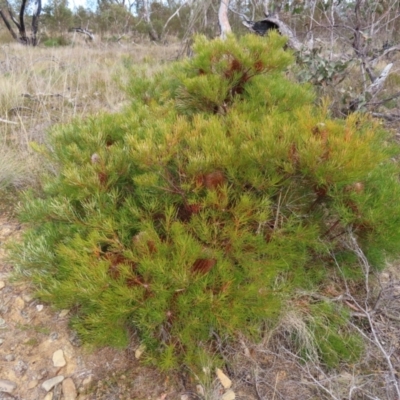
x,y
2,284
19,303
74,339
229,395
63,313
87,382
50,383
184,397
39,307
7,386
1,341
21,367
68,389
33,384
27,298
53,336
58,358
3,324
225,381
139,351
9,357
200,390
49,396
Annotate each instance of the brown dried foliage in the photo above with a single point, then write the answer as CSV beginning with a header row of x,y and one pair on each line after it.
x,y
214,179
203,265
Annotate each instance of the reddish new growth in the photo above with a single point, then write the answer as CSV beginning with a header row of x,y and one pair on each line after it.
x,y
236,69
116,260
259,66
213,179
102,178
203,265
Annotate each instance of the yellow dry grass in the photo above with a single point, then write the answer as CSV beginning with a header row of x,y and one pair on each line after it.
x,y
40,87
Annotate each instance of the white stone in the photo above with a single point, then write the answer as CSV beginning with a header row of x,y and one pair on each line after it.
x,y
50,383
2,284
58,359
228,395
87,382
69,390
63,313
33,384
39,307
200,390
7,386
49,396
139,351
225,381
19,303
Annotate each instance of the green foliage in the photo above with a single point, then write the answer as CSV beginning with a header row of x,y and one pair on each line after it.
x,y
56,41
206,204
336,342
57,16
318,70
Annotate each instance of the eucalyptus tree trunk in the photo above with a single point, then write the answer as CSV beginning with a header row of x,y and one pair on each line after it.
x,y
223,18
20,22
147,16
266,7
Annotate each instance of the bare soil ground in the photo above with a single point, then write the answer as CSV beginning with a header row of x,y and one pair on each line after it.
x,y
31,332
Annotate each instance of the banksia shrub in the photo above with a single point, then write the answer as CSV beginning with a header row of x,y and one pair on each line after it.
x,y
205,205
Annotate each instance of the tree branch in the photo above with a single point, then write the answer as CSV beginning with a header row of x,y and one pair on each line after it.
x,y
7,24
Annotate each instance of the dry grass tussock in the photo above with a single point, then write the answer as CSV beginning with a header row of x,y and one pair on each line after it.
x,y
40,87
285,364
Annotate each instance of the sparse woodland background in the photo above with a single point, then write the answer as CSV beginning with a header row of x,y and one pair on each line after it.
x,y
335,338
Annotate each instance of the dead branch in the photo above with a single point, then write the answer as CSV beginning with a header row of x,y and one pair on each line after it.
x,y
353,245
386,53
18,109
171,17
377,103
5,121
377,84
84,31
273,22
388,117
37,95
8,26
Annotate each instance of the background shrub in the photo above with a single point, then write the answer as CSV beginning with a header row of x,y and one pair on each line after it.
x,y
204,206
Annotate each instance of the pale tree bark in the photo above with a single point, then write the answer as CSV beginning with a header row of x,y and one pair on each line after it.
x,y
266,7
223,19
164,29
147,11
